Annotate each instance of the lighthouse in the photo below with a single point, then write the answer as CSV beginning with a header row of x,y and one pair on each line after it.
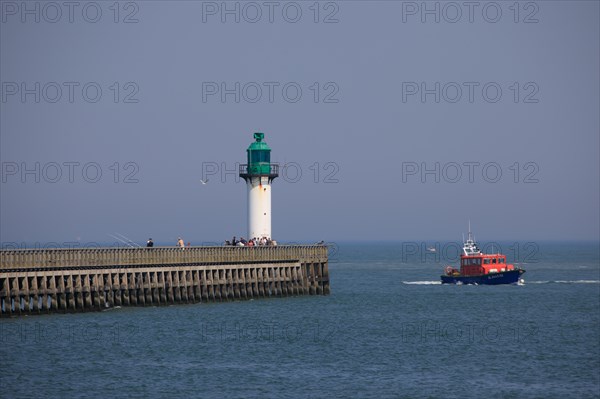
x,y
259,173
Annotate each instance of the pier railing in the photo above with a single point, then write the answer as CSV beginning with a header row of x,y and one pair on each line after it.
x,y
39,259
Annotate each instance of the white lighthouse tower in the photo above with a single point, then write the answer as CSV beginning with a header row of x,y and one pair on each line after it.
x,y
259,173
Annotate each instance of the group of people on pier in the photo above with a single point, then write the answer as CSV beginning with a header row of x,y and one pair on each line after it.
x,y
242,242
253,242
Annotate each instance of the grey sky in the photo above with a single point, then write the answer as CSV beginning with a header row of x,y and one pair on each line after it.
x,y
364,130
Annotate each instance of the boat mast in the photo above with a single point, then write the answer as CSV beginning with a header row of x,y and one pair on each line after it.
x,y
470,235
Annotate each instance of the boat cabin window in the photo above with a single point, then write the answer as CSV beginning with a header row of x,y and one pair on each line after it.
x,y
486,261
493,261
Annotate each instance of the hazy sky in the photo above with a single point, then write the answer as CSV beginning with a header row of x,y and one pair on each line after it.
x,y
394,120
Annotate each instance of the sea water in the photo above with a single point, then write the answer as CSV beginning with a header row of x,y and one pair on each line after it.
x,y
388,329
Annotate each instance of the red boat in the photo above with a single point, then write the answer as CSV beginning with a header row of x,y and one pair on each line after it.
x,y
478,268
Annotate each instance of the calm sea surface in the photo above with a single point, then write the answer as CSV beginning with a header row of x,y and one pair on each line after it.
x,y
388,329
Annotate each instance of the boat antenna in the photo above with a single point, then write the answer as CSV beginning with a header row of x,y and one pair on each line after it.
x,y
470,236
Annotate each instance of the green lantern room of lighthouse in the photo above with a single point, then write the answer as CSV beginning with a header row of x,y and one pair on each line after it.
x,y
259,157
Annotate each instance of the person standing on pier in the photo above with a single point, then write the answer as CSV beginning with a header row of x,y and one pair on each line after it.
x,y
150,243
180,243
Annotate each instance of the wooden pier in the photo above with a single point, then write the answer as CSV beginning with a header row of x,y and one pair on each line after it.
x,y
41,281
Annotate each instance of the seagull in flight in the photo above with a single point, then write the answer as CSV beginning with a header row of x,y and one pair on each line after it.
x,y
203,181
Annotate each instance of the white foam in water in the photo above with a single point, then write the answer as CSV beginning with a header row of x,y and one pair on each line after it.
x,y
520,283
108,309
566,282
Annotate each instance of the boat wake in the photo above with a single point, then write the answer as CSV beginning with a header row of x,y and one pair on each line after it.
x,y
519,283
564,282
108,309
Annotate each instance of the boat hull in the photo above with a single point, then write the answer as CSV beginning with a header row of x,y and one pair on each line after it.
x,y
509,277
